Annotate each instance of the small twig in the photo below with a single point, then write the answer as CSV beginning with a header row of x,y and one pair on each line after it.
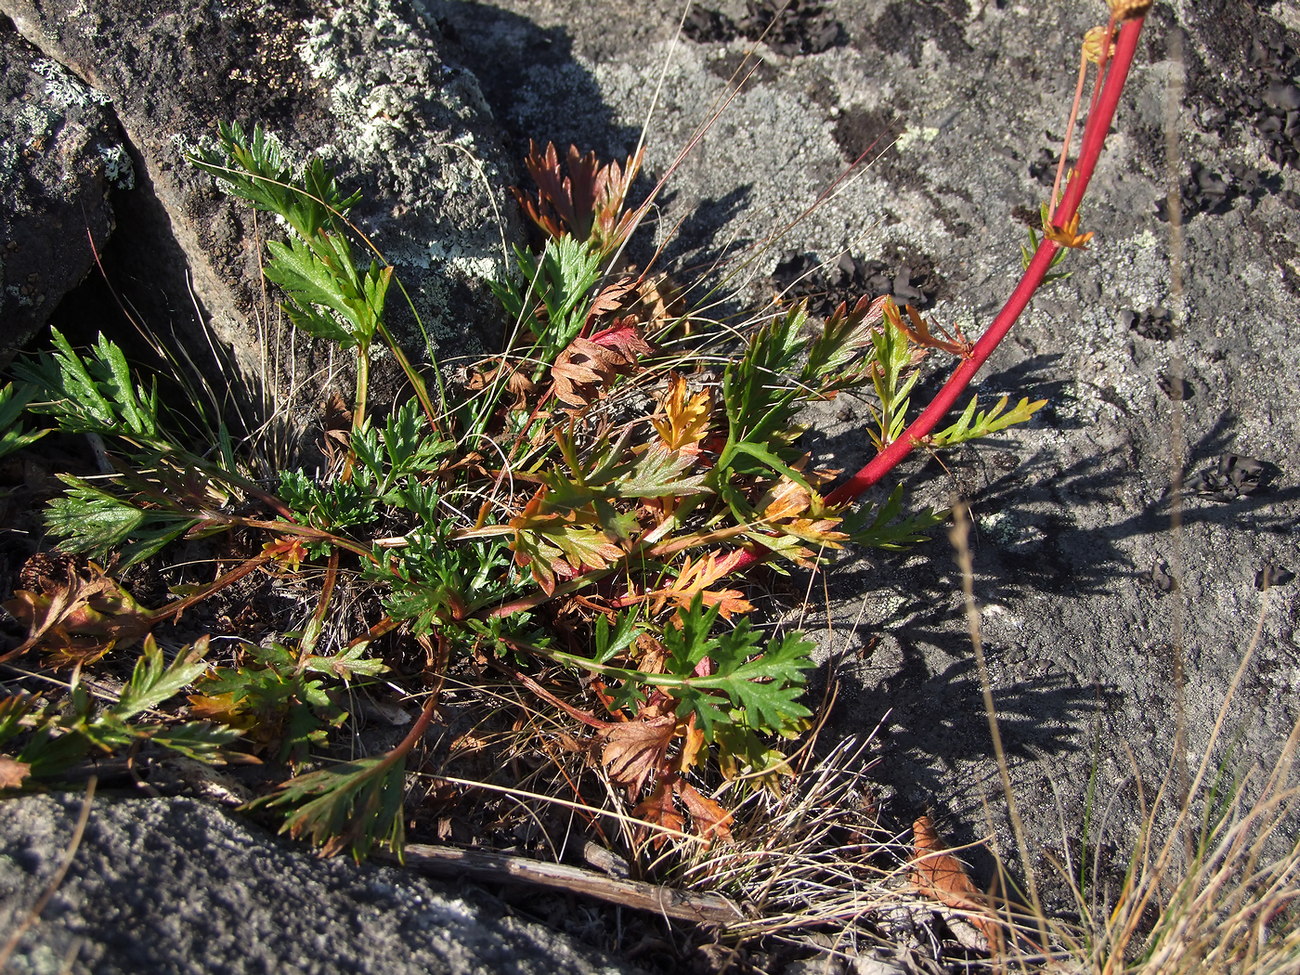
x,y
548,697
481,865
174,609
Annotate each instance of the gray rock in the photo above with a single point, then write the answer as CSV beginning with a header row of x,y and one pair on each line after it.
x,y
178,886
364,85
955,104
61,155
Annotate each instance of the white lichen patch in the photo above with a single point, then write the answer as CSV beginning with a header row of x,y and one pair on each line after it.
x,y
118,168
914,134
63,89
998,526
407,120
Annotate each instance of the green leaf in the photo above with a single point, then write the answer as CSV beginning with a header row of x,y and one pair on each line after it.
x,y
316,290
154,680
659,472
287,704
98,522
13,400
347,664
354,807
885,527
91,395
14,708
893,377
610,645
843,338
255,168
561,279
756,390
199,740
335,506
972,425
764,687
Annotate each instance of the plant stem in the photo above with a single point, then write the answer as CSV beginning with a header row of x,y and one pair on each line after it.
x,y
1094,138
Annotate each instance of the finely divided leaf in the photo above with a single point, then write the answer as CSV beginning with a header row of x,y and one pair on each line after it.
x,y
972,425
154,680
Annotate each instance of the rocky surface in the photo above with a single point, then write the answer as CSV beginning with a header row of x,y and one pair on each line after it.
x,y
223,896
1167,358
61,158
363,84
1160,366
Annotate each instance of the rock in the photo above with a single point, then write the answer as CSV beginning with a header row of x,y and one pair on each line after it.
x,y
176,885
61,156
364,85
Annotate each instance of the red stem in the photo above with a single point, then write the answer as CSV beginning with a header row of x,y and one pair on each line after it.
x,y
1094,137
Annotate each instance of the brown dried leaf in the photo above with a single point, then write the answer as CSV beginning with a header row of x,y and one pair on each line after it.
x,y
13,772
613,297
658,809
662,303
710,820
635,750
588,364
78,618
941,876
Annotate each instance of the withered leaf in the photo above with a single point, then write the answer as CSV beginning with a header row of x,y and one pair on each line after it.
x,y
659,809
588,364
613,297
79,618
710,820
940,875
635,750
13,772
692,746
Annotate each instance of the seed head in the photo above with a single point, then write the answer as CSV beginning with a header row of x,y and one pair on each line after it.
x,y
1093,43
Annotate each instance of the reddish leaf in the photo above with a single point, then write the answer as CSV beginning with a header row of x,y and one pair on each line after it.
x,y
919,331
658,809
695,578
588,364
625,338
941,876
710,820
587,203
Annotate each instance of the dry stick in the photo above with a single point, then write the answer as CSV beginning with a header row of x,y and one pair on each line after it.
x,y
960,535
481,865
